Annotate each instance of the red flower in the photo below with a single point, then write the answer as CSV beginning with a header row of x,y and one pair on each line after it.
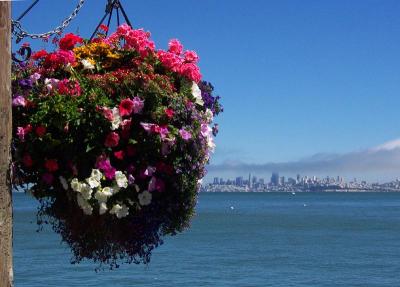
x,y
40,131
126,107
27,160
112,140
170,113
70,88
39,55
69,41
51,165
119,154
155,129
103,28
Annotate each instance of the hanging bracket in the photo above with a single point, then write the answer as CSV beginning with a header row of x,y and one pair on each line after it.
x,y
110,7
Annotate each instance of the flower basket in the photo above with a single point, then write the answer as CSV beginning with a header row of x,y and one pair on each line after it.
x,y
112,137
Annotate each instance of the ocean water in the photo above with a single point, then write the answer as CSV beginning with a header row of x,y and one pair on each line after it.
x,y
253,239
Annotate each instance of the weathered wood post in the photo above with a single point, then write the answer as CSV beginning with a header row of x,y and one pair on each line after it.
x,y
6,266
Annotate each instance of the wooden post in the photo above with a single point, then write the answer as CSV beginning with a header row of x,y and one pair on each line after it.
x,y
6,265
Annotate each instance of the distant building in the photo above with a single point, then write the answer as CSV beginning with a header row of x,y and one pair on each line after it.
x,y
216,180
275,179
239,181
282,180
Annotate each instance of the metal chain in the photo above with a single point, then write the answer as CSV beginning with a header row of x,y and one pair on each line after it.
x,y
20,33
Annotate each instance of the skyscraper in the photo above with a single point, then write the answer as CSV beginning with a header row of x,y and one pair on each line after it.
x,y
275,179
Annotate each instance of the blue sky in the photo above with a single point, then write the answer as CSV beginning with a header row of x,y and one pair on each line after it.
x,y
300,80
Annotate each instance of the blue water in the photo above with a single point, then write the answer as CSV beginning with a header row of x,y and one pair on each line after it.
x,y
240,240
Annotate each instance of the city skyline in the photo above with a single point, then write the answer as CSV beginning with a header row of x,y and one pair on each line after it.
x,y
299,183
278,179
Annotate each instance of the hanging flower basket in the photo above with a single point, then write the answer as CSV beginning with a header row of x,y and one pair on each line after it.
x,y
112,137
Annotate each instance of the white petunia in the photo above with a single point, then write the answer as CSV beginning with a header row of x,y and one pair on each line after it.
x,y
103,208
210,143
96,174
117,120
103,195
93,182
63,182
145,198
120,210
209,115
87,65
86,191
121,179
84,205
76,185
196,92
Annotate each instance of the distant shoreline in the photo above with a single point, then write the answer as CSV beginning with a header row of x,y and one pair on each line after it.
x,y
309,191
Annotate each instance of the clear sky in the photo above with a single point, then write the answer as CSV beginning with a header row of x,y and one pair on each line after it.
x,y
301,81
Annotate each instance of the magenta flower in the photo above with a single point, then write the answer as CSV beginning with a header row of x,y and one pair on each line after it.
x,y
105,166
164,132
185,135
110,173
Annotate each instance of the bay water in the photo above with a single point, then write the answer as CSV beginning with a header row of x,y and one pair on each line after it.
x,y
239,239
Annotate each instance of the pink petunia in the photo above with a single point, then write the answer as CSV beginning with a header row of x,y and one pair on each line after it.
x,y
18,101
23,131
35,77
138,105
175,47
163,132
191,57
205,130
185,135
191,71
112,140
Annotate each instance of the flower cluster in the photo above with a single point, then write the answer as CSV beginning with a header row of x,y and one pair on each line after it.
x,y
113,132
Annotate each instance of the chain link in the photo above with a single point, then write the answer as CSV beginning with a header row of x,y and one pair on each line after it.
x,y
20,33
